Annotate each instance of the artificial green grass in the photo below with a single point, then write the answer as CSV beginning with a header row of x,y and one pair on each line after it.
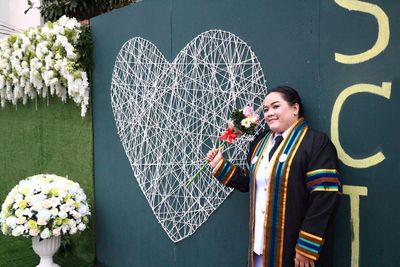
x,y
46,137
18,252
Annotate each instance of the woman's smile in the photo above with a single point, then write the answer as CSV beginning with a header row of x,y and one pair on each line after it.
x,y
278,113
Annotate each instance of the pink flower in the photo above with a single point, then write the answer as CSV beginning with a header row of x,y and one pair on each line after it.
x,y
248,111
255,118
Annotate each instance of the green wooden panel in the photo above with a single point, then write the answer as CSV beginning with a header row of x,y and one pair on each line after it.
x,y
368,123
295,42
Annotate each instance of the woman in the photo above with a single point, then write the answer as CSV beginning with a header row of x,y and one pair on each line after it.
x,y
292,175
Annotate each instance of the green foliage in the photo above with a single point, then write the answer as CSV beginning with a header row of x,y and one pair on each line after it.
x,y
51,10
84,47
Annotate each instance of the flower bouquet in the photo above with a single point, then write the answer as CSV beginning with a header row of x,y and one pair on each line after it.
x,y
44,205
241,121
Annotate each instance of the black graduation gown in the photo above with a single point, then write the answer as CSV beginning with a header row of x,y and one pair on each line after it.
x,y
304,189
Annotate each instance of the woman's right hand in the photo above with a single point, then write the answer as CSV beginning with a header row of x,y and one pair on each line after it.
x,y
213,157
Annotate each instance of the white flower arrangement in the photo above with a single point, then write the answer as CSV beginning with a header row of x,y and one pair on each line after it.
x,y
44,60
44,205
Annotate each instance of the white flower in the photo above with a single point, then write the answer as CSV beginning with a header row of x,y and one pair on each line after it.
x,y
55,201
53,54
11,221
63,214
28,213
36,207
72,223
33,232
70,202
76,215
45,233
44,205
246,122
65,228
81,227
54,212
57,231
21,220
19,230
18,197
84,210
41,221
73,230
65,208
19,212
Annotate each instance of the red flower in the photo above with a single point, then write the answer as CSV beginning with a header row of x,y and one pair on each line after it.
x,y
229,136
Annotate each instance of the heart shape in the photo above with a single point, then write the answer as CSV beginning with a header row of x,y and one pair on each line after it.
x,y
169,115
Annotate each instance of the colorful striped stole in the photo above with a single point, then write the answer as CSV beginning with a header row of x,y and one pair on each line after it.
x,y
275,220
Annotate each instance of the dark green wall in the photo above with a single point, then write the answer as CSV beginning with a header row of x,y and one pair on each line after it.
x,y
295,41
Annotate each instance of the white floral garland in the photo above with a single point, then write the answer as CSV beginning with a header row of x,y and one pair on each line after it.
x,y
43,60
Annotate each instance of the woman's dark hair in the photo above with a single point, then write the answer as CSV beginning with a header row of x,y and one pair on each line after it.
x,y
290,95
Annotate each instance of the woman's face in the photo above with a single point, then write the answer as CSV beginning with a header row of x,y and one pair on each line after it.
x,y
278,113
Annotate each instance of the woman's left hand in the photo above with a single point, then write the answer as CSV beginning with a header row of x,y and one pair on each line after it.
x,y
303,261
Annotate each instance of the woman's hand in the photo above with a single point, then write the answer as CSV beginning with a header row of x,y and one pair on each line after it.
x,y
213,157
303,261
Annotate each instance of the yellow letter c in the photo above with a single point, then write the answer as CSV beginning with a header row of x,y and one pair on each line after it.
x,y
354,89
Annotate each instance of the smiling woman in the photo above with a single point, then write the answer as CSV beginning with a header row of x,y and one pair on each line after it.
x,y
293,193
282,108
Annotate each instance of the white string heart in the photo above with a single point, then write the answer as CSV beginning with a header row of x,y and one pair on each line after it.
x,y
169,115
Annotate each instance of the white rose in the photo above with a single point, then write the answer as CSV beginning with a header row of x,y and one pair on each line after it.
x,y
11,221
33,232
64,228
70,202
54,212
62,214
81,227
8,202
27,212
65,207
41,221
36,206
83,209
45,233
72,223
21,220
46,204
19,230
73,230
44,213
19,212
55,201
57,231
62,192
76,215
81,196
37,199
18,197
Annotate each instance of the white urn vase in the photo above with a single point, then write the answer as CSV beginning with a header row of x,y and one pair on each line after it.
x,y
46,248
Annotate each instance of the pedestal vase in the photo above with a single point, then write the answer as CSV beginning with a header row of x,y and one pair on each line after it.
x,y
46,248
